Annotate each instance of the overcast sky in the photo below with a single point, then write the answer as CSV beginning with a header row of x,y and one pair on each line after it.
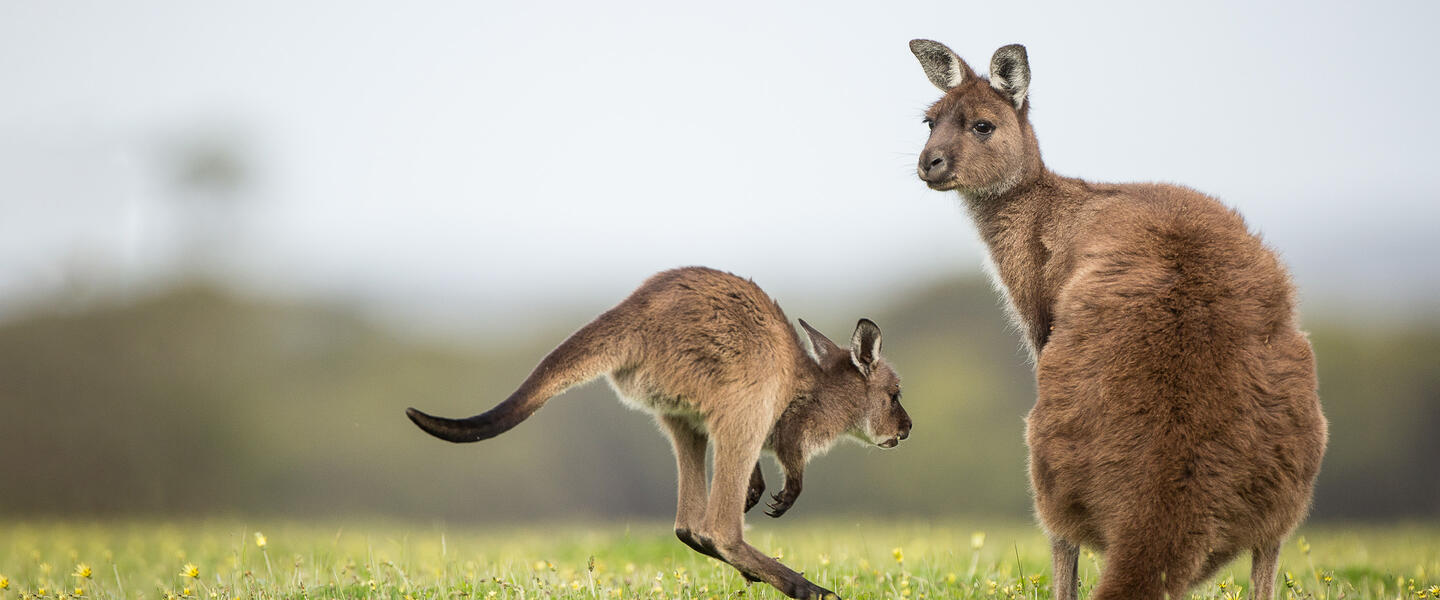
x,y
495,162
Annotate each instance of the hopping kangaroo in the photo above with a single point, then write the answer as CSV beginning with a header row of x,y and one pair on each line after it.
x,y
716,360
1177,423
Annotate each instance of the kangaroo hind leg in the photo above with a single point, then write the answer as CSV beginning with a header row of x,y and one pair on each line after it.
x,y
1264,560
737,448
689,445
1067,568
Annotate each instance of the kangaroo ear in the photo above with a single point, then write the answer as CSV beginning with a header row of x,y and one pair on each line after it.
x,y
941,64
824,348
1010,73
865,346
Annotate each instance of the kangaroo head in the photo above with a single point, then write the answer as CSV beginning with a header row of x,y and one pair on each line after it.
x,y
981,143
861,386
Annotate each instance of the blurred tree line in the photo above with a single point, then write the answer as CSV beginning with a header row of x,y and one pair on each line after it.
x,y
197,402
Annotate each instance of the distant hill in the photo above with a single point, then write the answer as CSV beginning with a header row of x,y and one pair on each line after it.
x,y
196,402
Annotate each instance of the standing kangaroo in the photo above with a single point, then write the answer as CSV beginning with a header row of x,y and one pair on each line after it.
x,y
1177,422
715,359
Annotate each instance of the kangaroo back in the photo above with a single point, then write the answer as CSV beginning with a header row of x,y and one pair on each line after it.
x,y
592,351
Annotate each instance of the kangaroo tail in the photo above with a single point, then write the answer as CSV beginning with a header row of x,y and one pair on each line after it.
x,y
592,351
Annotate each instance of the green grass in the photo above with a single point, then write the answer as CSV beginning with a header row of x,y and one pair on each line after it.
x,y
908,560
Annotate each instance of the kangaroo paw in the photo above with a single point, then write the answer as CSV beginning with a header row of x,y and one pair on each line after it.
x,y
756,490
783,501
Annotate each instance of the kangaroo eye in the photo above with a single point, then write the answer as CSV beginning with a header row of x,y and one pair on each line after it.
x,y
983,127
894,397
928,122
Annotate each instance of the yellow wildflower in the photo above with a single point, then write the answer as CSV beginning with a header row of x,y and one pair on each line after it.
x,y
824,560
950,578
977,540
259,539
4,582
899,554
82,571
190,570
78,592
186,593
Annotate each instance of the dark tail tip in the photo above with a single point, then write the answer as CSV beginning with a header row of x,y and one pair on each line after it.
x,y
420,419
472,429
445,429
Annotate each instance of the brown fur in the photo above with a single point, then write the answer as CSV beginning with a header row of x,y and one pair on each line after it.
x,y
716,361
1177,423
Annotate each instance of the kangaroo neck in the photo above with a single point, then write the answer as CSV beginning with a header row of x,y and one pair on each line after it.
x,y
815,418
1028,231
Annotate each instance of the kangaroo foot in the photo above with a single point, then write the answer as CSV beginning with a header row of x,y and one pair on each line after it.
x,y
704,546
804,589
695,543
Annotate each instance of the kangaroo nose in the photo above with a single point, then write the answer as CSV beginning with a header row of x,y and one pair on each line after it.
x,y
905,432
933,164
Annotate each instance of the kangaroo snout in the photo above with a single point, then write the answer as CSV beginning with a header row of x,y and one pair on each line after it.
x,y
905,425
933,162
902,433
934,168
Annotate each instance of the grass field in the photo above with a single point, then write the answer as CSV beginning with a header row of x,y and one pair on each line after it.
x,y
61,560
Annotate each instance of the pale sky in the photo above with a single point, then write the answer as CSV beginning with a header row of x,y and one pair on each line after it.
x,y
494,163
